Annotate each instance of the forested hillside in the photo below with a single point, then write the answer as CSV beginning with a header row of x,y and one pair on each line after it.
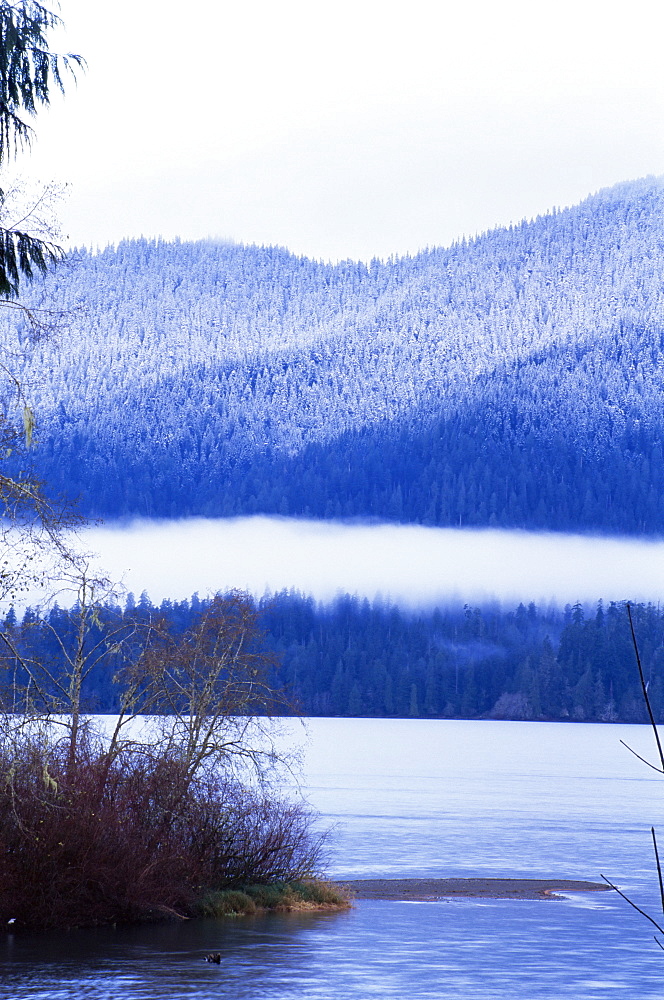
x,y
353,658
513,380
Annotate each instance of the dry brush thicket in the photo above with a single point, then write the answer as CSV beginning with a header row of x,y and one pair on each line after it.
x,y
143,820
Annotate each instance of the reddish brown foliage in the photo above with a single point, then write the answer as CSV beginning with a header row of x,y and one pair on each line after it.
x,y
97,829
91,845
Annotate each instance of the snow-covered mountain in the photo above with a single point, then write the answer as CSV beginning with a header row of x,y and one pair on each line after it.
x,y
514,379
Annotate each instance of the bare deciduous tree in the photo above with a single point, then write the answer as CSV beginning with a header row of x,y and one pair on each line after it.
x,y
151,812
211,687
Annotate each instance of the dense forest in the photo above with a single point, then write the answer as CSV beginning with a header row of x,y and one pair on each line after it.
x,y
510,380
353,658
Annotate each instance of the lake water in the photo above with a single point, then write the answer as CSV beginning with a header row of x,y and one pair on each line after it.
x,y
419,798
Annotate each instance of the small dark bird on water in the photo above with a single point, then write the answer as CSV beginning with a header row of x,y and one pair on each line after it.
x,y
214,956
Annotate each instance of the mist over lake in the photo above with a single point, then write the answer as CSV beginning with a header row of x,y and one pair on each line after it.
x,y
409,565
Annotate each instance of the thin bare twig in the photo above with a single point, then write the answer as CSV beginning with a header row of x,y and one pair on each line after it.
x,y
651,716
659,867
637,908
644,687
642,759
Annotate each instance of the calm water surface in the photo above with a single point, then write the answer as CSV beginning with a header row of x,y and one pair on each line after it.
x,y
419,798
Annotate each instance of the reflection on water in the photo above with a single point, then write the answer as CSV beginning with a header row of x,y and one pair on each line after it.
x,y
418,798
500,948
166,960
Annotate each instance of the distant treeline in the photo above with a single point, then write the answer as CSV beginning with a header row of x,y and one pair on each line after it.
x,y
353,658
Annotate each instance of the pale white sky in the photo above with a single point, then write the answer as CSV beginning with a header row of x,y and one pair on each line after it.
x,y
348,129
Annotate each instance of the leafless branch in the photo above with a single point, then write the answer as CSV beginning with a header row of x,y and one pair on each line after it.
x,y
633,905
659,867
642,759
644,687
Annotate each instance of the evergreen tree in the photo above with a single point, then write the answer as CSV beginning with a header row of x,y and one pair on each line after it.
x,y
29,72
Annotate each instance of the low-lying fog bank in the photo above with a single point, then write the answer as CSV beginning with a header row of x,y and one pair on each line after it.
x,y
407,564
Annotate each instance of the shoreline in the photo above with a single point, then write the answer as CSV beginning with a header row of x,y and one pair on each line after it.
x,y
427,890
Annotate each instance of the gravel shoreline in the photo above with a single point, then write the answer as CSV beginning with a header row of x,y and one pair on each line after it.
x,y
431,889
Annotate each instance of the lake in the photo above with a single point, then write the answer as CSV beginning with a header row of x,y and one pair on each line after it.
x,y
419,798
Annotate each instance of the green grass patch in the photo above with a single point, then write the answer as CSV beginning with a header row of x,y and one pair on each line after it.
x,y
304,895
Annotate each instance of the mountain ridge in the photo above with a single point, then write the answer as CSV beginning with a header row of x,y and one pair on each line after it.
x,y
514,379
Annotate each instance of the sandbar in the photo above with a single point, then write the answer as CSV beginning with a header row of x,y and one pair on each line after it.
x,y
425,890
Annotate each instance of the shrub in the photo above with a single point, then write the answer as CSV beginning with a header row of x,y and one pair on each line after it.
x,y
142,823
132,839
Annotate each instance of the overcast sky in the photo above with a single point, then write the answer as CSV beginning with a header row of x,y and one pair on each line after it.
x,y
347,129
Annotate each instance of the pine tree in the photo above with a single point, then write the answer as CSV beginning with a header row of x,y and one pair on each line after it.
x,y
29,72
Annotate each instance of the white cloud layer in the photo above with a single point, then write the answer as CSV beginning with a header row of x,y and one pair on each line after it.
x,y
407,564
